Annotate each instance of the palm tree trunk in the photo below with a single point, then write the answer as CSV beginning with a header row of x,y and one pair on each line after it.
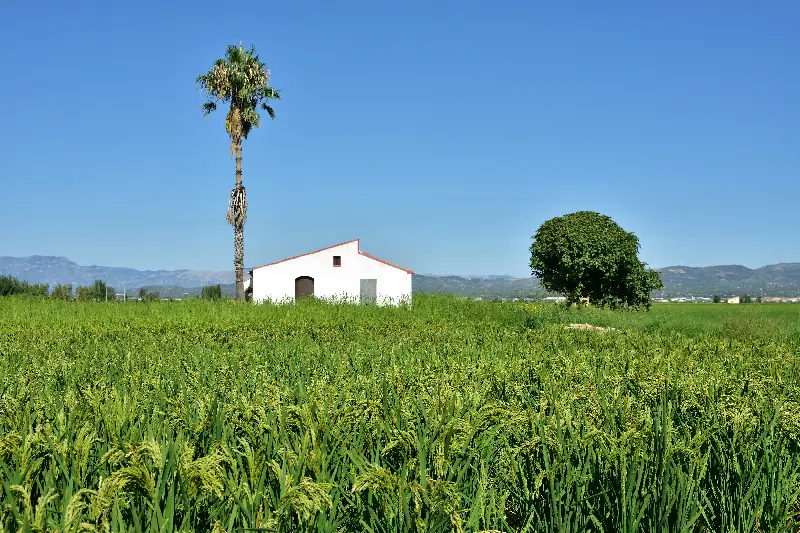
x,y
238,231
238,260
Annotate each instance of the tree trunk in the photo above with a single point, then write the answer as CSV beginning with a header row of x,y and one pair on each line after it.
x,y
238,232
238,260
573,298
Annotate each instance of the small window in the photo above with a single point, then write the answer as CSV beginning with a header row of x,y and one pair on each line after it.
x,y
337,260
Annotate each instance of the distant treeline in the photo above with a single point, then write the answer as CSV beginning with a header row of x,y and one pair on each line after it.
x,y
98,291
12,286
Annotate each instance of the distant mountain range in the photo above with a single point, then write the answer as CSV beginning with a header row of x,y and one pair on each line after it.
x,y
52,270
782,279
772,280
478,286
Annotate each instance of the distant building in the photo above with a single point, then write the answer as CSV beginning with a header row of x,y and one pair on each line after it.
x,y
733,300
341,271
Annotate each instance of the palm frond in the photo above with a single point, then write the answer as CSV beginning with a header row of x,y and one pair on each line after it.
x,y
250,118
237,207
235,53
271,93
242,80
246,127
208,107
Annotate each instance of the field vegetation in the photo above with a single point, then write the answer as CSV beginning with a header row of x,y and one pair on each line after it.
x,y
451,415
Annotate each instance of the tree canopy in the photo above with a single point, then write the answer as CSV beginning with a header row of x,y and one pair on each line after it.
x,y
242,80
10,286
588,255
98,291
211,292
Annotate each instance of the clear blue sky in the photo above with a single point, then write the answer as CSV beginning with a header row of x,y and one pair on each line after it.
x,y
441,136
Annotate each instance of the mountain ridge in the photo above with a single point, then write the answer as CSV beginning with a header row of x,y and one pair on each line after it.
x,y
60,269
780,279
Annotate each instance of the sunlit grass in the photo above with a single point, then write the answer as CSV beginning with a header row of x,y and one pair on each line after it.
x,y
451,415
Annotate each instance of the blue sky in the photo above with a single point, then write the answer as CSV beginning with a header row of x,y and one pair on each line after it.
x,y
440,133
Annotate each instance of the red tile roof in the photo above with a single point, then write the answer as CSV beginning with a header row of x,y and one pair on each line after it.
x,y
358,244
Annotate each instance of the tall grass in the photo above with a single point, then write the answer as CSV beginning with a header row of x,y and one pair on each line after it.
x,y
448,416
746,322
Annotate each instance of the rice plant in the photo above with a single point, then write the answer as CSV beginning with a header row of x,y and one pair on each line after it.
x,y
450,415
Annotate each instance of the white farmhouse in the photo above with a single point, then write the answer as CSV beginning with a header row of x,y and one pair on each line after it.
x,y
339,272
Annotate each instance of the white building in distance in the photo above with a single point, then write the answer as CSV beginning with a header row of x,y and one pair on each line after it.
x,y
338,272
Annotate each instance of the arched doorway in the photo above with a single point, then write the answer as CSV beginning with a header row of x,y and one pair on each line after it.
x,y
303,286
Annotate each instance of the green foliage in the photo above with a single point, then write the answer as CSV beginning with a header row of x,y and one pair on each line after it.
x,y
98,291
61,292
10,286
241,80
717,298
450,415
746,299
148,295
211,292
587,255
85,294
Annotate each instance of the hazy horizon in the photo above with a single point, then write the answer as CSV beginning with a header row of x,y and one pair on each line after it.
x,y
427,273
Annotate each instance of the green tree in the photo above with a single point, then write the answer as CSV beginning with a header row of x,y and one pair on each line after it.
x,y
211,292
103,291
61,292
717,298
587,255
98,291
84,294
149,296
11,286
38,290
241,80
8,285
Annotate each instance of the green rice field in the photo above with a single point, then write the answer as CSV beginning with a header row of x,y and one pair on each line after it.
x,y
451,415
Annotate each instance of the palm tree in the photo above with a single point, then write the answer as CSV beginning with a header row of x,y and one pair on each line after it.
x,y
243,81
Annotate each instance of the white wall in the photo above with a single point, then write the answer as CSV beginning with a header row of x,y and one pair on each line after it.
x,y
276,282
